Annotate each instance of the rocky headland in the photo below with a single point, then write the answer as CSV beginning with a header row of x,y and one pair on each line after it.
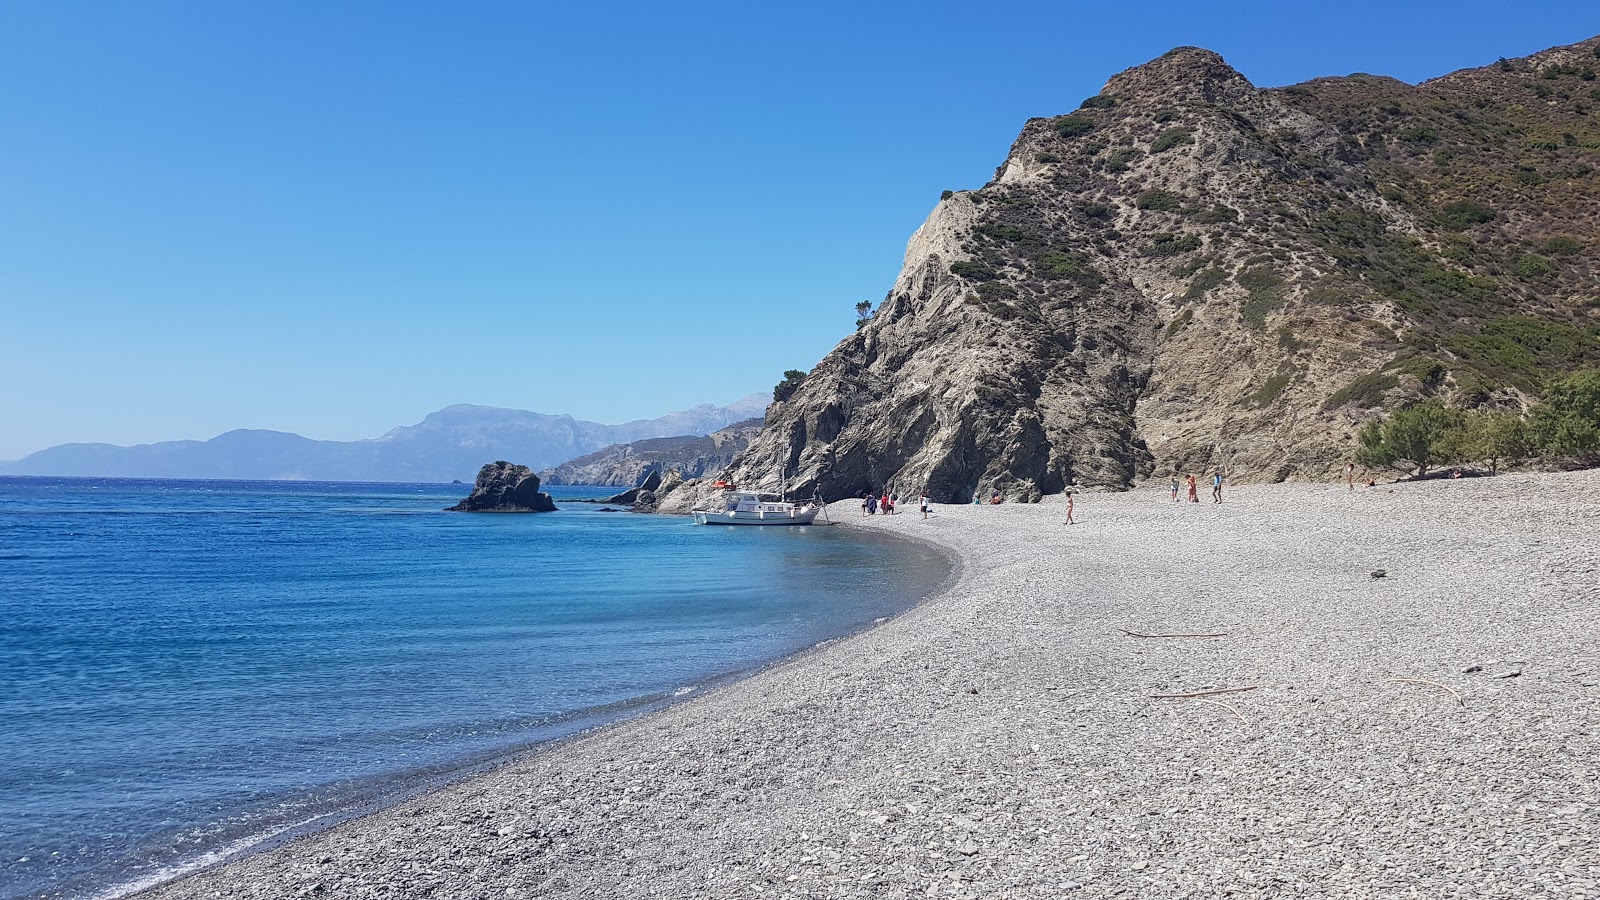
x,y
1193,273
629,465
505,487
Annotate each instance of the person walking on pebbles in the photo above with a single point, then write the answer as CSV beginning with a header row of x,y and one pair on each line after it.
x,y
1174,487
1069,508
924,504
1194,489
1350,476
1216,488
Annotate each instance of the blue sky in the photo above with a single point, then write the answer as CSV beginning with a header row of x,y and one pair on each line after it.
x,y
333,218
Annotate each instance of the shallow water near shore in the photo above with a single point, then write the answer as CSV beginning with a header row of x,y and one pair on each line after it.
x,y
188,667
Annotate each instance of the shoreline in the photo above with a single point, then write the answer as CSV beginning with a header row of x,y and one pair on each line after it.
x,y
411,786
998,739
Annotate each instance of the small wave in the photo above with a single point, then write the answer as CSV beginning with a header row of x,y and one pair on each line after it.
x,y
204,860
682,691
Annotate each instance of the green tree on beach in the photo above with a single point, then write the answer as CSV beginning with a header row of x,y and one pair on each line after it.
x,y
1489,437
1411,438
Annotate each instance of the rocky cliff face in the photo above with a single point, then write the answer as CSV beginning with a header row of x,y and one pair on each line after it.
x,y
628,465
505,487
1191,273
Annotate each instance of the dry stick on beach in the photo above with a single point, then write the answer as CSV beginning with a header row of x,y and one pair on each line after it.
x,y
1434,683
1226,707
1204,693
1175,634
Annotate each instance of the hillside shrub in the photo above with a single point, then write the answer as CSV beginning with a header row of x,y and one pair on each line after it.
x,y
1159,200
1046,158
1266,294
1203,281
1181,322
1488,437
1216,215
1059,264
1100,211
1464,214
1532,265
1170,138
1419,134
1074,126
946,195
1273,387
1561,246
1098,101
1121,158
973,270
1167,244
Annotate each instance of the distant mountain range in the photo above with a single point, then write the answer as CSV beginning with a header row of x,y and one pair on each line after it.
x,y
450,444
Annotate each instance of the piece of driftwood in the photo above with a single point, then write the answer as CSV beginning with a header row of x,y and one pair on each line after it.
x,y
1178,634
1205,693
1434,683
1226,707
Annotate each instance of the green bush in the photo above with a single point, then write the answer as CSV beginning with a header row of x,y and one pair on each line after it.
x,y
1074,126
1266,294
1170,138
997,290
1420,134
1181,322
1562,246
1216,215
1567,421
1166,244
1098,101
1159,200
1121,158
1164,115
1046,158
1413,437
1464,214
1203,281
1099,211
791,382
973,270
1273,387
946,195
1058,264
1532,265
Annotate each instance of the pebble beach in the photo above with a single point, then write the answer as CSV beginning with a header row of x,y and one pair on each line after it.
x,y
1433,732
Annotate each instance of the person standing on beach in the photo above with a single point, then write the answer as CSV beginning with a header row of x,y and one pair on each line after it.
x,y
872,505
1350,476
1069,508
1194,490
1216,488
1174,487
883,503
924,504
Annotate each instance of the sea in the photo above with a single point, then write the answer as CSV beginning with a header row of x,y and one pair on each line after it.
x,y
192,669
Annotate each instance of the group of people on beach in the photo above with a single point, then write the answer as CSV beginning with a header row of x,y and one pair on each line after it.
x,y
1194,487
872,504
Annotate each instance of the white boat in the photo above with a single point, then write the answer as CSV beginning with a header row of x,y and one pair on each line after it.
x,y
748,508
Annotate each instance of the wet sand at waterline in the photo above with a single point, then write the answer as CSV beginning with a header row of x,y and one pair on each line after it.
x,y
1003,740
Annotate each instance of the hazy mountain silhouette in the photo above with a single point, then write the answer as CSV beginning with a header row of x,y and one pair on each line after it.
x,y
448,444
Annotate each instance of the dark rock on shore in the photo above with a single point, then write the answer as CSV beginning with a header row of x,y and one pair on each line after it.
x,y
505,487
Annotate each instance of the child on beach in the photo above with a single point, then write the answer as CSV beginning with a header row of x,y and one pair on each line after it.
x,y
1069,508
1174,488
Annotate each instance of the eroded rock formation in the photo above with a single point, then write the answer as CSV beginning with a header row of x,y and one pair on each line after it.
x,y
505,487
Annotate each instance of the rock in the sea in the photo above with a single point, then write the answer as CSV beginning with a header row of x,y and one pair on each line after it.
x,y
505,487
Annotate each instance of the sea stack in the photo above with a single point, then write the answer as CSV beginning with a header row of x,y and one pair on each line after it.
x,y
505,487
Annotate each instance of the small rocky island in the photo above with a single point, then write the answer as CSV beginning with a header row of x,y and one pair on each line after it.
x,y
505,487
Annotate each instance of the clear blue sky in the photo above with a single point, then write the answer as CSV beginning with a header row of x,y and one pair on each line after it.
x,y
334,217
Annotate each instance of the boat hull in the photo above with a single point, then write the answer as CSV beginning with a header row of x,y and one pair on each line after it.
x,y
742,517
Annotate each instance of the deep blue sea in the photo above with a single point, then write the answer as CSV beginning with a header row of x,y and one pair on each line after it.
x,y
188,668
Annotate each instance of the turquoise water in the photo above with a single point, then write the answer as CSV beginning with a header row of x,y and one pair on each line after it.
x,y
187,667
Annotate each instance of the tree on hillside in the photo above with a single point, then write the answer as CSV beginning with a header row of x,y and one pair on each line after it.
x,y
1567,423
863,313
791,382
1413,437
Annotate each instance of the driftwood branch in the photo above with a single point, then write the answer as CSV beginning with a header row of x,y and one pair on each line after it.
x,y
1141,634
1434,683
1205,693
1226,707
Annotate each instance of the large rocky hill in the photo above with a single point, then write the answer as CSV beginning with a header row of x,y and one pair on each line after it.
x,y
628,465
1190,272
